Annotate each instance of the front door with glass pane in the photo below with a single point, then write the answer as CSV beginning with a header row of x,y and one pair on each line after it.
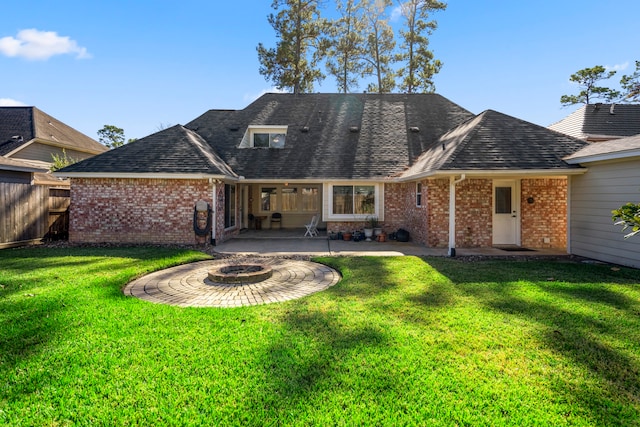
x,y
505,213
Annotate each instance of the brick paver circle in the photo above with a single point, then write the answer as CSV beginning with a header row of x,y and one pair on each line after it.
x,y
189,286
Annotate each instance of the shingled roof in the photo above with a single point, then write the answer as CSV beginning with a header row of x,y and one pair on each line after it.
x,y
332,136
20,125
493,141
342,136
175,150
598,122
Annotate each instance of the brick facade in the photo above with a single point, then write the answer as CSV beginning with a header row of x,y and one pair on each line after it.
x,y
546,216
159,211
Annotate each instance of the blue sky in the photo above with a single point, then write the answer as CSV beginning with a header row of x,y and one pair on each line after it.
x,y
143,65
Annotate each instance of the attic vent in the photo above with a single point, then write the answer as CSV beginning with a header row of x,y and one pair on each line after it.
x,y
354,129
17,138
234,128
414,129
304,129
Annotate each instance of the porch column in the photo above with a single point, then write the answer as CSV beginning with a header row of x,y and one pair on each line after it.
x,y
452,213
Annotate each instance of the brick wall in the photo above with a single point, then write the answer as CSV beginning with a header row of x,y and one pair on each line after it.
x,y
438,213
546,217
474,213
135,210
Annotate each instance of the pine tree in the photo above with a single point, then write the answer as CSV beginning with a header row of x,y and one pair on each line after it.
x,y
419,63
292,64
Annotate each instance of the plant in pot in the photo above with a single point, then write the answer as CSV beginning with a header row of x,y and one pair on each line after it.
x,y
370,224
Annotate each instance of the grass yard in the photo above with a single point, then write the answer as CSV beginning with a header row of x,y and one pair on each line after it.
x,y
399,341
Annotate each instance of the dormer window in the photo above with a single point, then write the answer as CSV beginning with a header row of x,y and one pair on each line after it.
x,y
264,137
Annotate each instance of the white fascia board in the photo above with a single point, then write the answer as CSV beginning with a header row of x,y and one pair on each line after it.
x,y
125,175
494,173
616,155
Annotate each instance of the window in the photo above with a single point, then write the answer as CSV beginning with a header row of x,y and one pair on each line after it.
x,y
289,199
503,200
268,198
310,199
418,194
353,200
264,136
268,140
229,206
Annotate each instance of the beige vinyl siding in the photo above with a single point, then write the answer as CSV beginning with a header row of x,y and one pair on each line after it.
x,y
606,186
43,152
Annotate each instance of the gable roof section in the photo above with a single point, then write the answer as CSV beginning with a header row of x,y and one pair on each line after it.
x,y
173,151
598,122
496,142
331,136
608,150
19,126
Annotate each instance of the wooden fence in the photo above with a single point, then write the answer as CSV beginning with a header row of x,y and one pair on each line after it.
x,y
31,213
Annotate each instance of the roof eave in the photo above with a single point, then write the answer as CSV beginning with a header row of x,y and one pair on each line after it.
x,y
491,173
148,175
600,157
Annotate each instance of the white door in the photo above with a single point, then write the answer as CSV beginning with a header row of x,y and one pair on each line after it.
x,y
506,222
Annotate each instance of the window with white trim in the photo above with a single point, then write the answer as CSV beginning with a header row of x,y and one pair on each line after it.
x,y
264,137
418,194
349,202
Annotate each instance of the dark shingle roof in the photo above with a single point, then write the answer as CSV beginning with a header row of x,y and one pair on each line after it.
x,y
348,136
19,125
601,121
494,141
175,150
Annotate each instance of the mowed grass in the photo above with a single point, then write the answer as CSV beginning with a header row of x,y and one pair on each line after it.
x,y
399,341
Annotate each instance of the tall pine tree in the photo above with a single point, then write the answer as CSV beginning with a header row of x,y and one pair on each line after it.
x,y
379,46
419,65
346,46
292,64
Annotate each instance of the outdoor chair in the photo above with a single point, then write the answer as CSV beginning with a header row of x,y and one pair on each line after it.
x,y
311,227
276,218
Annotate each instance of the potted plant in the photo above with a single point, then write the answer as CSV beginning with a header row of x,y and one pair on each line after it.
x,y
369,226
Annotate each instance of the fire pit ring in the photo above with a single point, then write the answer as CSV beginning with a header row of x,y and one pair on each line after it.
x,y
240,273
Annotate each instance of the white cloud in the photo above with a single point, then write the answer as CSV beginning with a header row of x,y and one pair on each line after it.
x,y
8,102
396,14
617,67
40,45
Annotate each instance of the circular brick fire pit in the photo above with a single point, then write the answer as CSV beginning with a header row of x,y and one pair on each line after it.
x,y
240,273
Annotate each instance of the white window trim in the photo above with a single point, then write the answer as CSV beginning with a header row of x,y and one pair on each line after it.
x,y
421,193
327,192
247,140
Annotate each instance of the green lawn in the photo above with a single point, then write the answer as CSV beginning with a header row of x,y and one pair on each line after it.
x,y
399,341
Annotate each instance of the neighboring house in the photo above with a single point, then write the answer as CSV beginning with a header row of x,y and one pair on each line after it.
x,y
407,159
601,122
34,202
613,179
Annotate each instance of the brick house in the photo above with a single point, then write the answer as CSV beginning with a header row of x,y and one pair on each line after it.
x,y
409,160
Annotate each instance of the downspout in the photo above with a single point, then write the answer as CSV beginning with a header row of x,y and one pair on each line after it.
x,y
452,213
214,220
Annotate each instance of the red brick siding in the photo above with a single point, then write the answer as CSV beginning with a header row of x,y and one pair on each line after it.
x,y
438,212
135,210
546,217
474,213
402,212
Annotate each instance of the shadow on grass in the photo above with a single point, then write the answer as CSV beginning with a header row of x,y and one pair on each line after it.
x,y
586,317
